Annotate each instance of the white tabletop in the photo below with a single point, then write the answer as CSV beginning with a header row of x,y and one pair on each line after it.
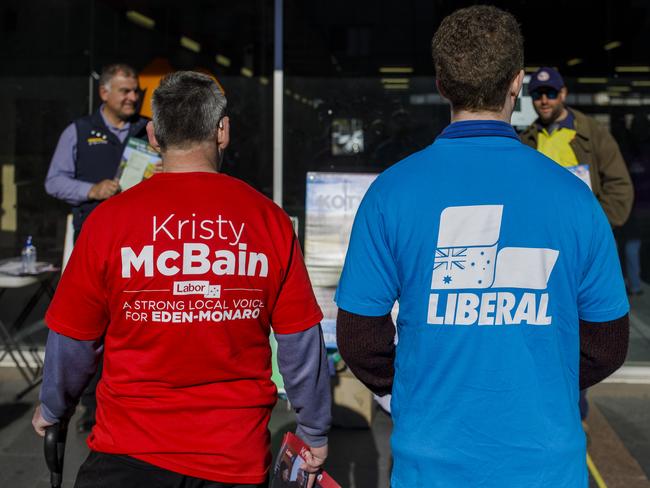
x,y
12,277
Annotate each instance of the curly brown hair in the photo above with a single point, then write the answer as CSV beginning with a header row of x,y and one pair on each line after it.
x,y
477,52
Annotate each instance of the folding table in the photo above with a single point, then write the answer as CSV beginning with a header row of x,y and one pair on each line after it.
x,y
14,336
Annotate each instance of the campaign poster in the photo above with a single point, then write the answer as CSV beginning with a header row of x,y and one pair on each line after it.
x,y
332,203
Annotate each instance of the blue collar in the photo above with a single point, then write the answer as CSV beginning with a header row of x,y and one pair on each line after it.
x,y
478,128
567,123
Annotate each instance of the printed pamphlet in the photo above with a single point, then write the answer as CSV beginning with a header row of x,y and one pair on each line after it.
x,y
138,163
287,472
582,172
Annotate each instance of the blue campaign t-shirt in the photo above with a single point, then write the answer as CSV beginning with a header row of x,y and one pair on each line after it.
x,y
494,253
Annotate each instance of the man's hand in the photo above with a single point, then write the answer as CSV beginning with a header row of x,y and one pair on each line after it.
x,y
39,422
314,460
103,190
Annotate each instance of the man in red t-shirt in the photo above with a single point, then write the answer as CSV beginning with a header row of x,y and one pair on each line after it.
x,y
183,277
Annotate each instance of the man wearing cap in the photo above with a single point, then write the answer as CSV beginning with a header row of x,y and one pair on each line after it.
x,y
580,144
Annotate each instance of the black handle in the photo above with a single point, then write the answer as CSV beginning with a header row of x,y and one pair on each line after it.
x,y
54,449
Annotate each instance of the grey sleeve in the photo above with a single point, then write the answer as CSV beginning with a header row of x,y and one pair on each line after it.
x,y
302,360
60,181
69,366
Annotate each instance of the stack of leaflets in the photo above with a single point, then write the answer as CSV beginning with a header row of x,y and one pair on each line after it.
x,y
138,162
287,472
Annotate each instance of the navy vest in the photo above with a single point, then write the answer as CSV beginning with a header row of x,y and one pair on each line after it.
x,y
98,156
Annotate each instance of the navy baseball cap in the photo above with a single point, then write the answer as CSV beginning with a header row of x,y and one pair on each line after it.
x,y
545,77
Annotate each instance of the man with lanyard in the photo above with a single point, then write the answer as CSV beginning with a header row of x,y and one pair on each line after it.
x,y
183,277
580,144
85,163
509,301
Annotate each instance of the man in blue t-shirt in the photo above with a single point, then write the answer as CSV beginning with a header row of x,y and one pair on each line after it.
x,y
509,287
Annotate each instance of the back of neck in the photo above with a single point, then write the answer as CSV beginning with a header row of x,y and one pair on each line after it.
x,y
199,158
461,115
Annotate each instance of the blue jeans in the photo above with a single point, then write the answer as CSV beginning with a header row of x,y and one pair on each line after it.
x,y
633,265
583,404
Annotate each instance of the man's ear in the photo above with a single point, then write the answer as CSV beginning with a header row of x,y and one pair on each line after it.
x,y
152,136
517,83
563,93
223,133
103,93
440,90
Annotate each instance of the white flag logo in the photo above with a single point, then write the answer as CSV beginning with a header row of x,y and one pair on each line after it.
x,y
467,254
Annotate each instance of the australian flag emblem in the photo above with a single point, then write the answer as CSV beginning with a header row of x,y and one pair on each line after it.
x,y
463,267
450,258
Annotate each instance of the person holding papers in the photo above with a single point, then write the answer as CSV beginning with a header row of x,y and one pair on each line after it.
x,y
183,277
579,143
87,157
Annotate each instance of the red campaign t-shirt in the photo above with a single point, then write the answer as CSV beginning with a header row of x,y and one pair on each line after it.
x,y
184,275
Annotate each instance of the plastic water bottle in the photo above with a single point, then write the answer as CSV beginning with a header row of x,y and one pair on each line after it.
x,y
28,257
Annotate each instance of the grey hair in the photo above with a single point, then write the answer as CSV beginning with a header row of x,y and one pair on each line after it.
x,y
187,107
108,72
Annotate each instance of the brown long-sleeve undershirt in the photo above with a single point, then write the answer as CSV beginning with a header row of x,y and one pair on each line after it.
x,y
603,348
367,346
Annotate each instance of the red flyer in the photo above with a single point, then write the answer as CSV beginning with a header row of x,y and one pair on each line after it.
x,y
287,472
